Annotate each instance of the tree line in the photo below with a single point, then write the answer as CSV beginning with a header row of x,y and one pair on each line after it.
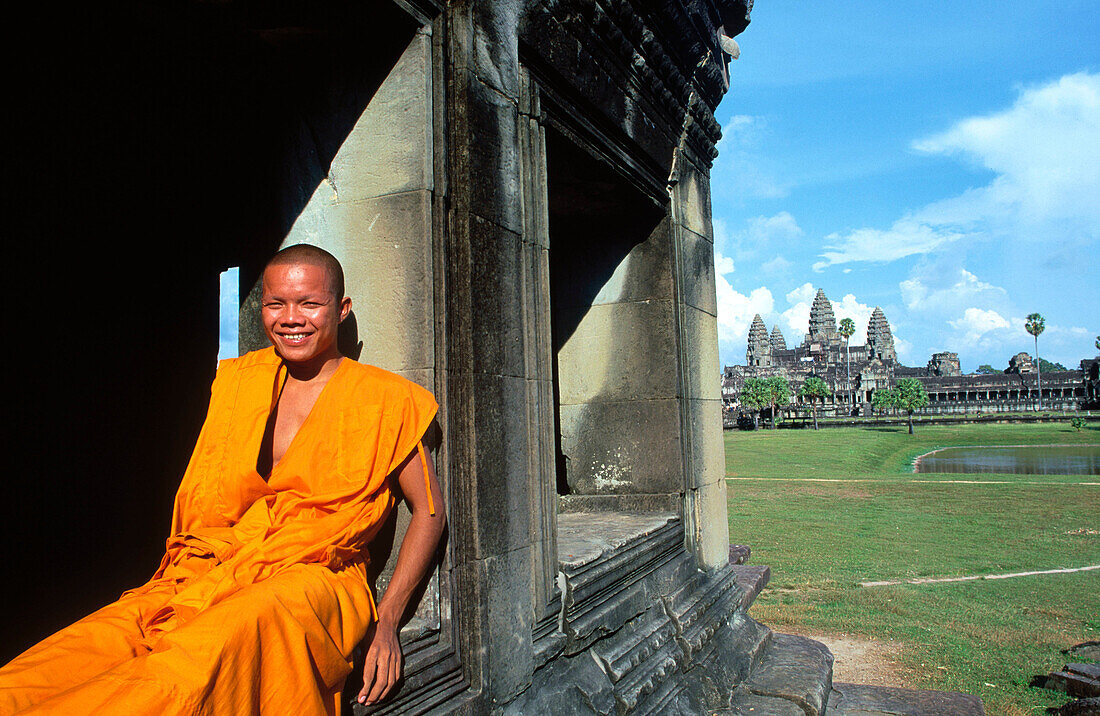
x,y
908,395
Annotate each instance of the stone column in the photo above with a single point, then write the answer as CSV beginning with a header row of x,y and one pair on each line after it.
x,y
484,327
706,522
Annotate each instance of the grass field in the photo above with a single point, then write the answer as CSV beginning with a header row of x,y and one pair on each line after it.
x,y
831,508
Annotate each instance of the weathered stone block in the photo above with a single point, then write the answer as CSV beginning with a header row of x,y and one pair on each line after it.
x,y
570,686
699,331
492,596
594,76
485,42
496,316
749,704
644,273
670,502
586,537
693,195
708,455
794,668
621,351
390,148
640,657
622,447
603,594
508,623
751,578
488,163
697,272
424,377
712,541
866,700
500,475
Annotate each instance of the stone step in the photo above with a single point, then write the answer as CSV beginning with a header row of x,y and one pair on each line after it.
x,y
752,578
794,676
1077,680
865,700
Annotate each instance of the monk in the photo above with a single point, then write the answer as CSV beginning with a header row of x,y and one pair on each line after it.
x,y
262,594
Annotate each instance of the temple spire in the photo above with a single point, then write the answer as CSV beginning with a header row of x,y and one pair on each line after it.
x,y
880,341
822,320
778,342
759,352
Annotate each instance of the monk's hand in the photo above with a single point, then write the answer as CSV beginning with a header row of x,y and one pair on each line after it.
x,y
382,668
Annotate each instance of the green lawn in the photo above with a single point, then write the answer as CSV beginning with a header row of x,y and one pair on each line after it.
x,y
829,509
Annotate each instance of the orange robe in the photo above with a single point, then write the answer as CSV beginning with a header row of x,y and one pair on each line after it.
x,y
262,593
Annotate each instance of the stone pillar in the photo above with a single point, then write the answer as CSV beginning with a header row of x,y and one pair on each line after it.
x,y
706,523
490,433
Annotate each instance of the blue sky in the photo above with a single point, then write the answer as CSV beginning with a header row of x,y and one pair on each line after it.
x,y
940,160
228,313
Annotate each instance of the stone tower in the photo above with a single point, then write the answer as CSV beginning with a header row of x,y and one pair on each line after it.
x,y
1020,363
880,341
944,364
778,342
822,320
759,352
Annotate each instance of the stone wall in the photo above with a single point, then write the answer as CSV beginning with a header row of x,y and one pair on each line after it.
x,y
854,373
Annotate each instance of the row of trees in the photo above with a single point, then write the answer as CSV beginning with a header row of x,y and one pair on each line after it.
x,y
907,396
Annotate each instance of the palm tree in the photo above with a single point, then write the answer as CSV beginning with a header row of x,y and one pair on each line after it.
x,y
846,329
1035,325
812,389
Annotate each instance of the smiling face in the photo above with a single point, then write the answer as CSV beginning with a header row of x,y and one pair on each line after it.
x,y
301,313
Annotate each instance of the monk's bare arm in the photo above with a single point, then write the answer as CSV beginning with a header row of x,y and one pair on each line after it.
x,y
383,664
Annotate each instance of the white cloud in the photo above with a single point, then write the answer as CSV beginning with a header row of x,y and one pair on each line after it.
x,y
722,264
735,310
976,323
803,294
722,236
797,317
967,289
906,237
979,333
758,235
765,229
1045,150
1045,153
797,320
860,313
903,348
776,265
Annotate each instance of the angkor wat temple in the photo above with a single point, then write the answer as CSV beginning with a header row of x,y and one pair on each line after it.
x,y
854,372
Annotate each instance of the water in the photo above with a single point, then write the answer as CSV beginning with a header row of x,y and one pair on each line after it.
x,y
1030,460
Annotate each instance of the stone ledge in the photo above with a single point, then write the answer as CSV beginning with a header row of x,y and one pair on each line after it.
x,y
794,668
746,704
864,700
751,579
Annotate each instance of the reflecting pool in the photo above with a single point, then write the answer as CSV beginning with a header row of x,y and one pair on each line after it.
x,y
1020,460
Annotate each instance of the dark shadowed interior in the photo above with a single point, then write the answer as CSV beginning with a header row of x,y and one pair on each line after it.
x,y
165,143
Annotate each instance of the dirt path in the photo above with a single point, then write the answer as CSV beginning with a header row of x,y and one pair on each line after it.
x,y
861,660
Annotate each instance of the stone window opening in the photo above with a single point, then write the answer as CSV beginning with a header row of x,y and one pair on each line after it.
x,y
610,290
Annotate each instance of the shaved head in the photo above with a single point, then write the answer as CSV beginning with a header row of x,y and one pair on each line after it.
x,y
313,256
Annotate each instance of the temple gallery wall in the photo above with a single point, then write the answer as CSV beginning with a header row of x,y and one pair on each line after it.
x,y
854,372
519,193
